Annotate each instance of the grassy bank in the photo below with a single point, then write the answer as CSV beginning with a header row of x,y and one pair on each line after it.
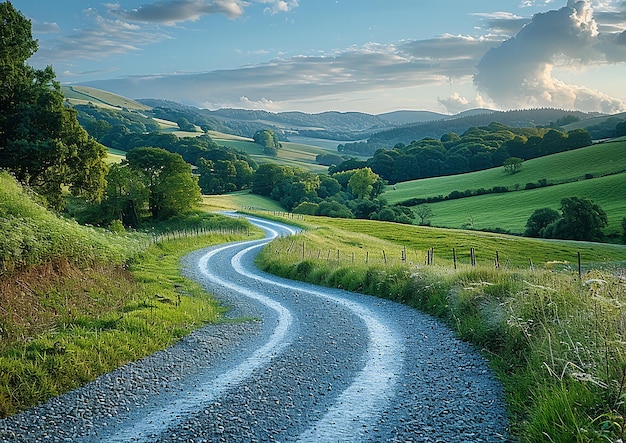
x,y
77,302
554,339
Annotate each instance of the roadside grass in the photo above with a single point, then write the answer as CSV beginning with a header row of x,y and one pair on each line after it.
x,y
596,160
81,323
77,302
512,251
555,340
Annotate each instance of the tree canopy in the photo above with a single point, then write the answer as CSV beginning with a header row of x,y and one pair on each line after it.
x,y
41,141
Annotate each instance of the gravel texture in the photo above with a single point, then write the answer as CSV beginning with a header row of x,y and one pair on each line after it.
x,y
308,364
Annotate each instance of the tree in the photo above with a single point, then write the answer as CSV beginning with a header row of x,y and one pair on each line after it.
x,y
362,182
168,178
513,164
424,212
539,221
581,219
266,138
41,141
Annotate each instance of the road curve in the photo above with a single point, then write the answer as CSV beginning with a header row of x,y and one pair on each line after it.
x,y
310,364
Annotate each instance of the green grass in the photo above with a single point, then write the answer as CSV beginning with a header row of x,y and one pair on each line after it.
x,y
291,154
77,302
85,94
597,160
510,211
241,200
367,239
554,340
84,323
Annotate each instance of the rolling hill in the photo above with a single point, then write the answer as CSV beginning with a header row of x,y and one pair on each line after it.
x,y
597,172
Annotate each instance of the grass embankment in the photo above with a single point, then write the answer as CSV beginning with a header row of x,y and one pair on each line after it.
x,y
567,174
554,339
77,302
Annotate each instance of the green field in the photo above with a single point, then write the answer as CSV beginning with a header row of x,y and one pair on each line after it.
x,y
518,251
568,174
597,160
291,154
85,95
241,200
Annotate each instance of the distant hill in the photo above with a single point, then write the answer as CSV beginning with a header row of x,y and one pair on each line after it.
x,y
411,117
85,95
481,117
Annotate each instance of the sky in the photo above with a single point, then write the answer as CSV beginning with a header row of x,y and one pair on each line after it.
x,y
372,56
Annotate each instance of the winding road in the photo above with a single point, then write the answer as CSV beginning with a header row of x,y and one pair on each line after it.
x,y
309,364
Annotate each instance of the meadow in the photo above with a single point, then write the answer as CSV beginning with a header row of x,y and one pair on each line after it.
x,y
597,172
554,338
597,160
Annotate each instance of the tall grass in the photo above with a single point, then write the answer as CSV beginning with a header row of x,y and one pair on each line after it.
x,y
555,340
76,302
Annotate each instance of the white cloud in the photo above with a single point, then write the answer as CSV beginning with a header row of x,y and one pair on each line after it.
x,y
456,103
171,12
518,73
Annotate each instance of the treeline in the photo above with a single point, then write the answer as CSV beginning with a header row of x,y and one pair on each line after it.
x,y
435,129
476,149
349,194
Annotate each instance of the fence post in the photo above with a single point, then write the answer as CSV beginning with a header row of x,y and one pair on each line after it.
x,y
473,256
579,266
367,256
454,257
497,262
384,257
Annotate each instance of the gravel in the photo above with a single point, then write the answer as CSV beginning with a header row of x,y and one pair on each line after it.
x,y
307,364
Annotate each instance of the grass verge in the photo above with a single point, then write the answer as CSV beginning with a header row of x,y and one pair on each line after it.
x,y
554,339
63,325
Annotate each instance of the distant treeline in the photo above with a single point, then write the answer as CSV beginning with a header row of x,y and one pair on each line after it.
x,y
476,149
435,129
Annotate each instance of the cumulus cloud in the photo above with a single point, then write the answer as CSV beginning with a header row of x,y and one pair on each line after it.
x,y
456,103
174,11
277,6
518,73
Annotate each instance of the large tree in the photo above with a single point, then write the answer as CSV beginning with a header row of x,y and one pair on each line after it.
x,y
172,188
41,141
581,219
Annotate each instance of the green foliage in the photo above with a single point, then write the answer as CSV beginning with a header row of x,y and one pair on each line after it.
x,y
41,141
267,139
581,219
478,148
362,182
624,229
513,164
539,221
167,177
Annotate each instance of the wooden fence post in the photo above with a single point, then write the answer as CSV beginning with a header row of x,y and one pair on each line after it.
x,y
454,257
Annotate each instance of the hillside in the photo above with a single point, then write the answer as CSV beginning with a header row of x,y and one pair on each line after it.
x,y
597,172
435,129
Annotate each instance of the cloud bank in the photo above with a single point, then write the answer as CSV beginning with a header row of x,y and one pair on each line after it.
x,y
519,72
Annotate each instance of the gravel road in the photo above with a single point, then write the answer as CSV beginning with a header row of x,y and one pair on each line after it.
x,y
308,364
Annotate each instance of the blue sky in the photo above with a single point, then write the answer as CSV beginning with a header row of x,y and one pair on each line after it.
x,y
344,55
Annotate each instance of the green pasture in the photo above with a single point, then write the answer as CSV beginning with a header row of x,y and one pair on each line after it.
x,y
511,210
291,154
358,237
597,160
99,97
241,200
